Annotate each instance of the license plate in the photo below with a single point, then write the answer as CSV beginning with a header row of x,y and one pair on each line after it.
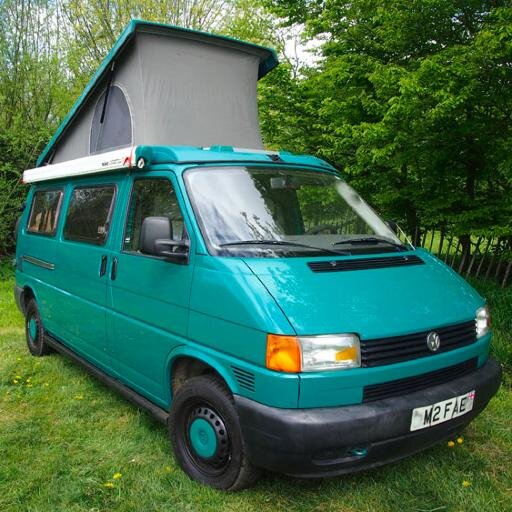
x,y
430,415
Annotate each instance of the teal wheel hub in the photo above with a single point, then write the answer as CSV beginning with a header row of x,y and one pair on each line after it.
x,y
32,328
207,439
203,438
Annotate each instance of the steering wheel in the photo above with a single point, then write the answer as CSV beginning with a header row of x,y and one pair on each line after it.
x,y
315,230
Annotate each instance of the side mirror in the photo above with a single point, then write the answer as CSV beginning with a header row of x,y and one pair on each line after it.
x,y
156,240
172,250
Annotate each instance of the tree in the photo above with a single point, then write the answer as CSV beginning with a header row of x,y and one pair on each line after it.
x,y
413,102
49,50
31,89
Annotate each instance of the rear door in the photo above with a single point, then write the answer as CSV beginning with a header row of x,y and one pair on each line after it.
x,y
148,296
82,268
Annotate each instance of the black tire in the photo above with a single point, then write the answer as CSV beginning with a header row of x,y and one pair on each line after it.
x,y
34,331
207,399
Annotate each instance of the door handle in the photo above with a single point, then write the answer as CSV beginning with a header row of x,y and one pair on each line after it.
x,y
113,270
103,266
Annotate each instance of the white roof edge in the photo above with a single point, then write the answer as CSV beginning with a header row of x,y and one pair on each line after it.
x,y
103,162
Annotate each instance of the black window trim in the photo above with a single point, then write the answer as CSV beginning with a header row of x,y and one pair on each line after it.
x,y
57,213
127,211
109,216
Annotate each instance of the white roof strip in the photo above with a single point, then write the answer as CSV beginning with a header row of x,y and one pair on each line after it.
x,y
109,161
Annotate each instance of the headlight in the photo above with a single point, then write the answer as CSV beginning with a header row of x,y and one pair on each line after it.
x,y
482,321
312,353
331,352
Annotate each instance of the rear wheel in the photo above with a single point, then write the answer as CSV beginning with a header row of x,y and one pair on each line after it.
x,y
206,436
34,331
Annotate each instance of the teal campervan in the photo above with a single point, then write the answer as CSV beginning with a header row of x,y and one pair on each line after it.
x,y
251,300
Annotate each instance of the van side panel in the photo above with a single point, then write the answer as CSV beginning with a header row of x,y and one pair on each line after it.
x,y
148,305
231,313
36,257
148,318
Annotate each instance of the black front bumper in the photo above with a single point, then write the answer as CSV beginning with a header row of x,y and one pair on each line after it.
x,y
336,440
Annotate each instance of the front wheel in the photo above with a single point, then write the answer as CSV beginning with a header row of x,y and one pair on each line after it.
x,y
206,437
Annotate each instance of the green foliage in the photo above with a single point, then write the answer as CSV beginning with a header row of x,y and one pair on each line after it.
x,y
16,153
33,96
413,101
50,49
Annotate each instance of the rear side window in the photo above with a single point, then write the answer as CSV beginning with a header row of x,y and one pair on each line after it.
x,y
89,213
44,213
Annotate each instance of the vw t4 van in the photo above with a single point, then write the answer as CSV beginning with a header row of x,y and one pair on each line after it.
x,y
250,300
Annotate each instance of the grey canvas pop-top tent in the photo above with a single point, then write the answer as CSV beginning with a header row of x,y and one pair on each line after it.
x,y
164,85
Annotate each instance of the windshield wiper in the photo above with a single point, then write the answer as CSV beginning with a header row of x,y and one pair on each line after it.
x,y
371,240
283,242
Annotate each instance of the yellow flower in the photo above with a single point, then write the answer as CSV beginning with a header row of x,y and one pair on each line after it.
x,y
18,359
28,380
79,397
15,381
451,444
109,485
460,440
117,476
18,377
465,483
45,384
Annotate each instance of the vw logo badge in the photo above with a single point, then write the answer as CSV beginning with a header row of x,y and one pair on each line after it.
x,y
433,341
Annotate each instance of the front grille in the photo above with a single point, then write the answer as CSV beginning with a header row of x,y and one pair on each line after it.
x,y
364,263
381,351
418,382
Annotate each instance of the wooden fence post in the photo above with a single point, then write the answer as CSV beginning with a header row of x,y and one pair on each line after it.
x,y
455,255
441,241
448,250
507,273
483,257
472,260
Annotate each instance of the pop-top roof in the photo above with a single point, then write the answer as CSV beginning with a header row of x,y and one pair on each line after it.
x,y
174,89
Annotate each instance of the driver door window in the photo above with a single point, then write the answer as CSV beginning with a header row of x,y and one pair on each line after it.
x,y
154,197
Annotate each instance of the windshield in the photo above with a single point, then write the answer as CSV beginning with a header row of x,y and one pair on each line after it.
x,y
284,212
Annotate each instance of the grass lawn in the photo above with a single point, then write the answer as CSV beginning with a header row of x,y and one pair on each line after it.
x,y
63,436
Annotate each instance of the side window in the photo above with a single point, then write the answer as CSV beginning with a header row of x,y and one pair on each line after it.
x,y
152,198
45,212
111,123
89,213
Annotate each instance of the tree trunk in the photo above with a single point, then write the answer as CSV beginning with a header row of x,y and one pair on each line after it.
x,y
465,242
413,226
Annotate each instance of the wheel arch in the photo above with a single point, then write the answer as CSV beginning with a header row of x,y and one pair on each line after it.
x,y
27,293
187,362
